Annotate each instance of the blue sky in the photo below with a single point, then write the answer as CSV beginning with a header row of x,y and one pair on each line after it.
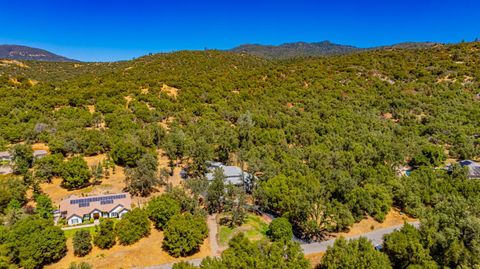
x,y
118,30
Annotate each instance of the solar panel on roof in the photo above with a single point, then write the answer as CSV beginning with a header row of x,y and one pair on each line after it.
x,y
88,200
83,205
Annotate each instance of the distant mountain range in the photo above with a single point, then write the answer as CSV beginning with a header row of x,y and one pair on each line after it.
x,y
297,49
324,48
283,51
17,52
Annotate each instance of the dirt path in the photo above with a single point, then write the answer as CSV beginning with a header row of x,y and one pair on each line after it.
x,y
212,234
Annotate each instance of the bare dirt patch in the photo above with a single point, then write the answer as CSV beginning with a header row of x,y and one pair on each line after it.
x,y
32,82
315,258
13,62
175,179
170,91
147,252
394,217
166,123
446,79
57,193
40,146
128,99
91,109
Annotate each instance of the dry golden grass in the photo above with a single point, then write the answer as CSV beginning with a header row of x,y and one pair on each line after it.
x,y
166,123
369,224
115,183
91,108
146,252
314,258
170,91
128,99
32,82
13,62
40,146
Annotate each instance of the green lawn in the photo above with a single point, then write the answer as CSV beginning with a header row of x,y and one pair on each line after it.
x,y
70,233
254,228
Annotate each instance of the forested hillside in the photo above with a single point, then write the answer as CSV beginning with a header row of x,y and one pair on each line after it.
x,y
296,49
325,137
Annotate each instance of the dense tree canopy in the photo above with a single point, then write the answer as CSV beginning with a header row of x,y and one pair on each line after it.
x,y
280,230
34,242
161,209
142,179
245,254
133,226
184,234
405,249
353,254
326,138
44,206
75,173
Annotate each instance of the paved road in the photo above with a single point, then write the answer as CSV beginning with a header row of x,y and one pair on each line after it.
x,y
195,262
375,237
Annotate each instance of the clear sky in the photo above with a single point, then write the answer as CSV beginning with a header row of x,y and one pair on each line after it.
x,y
101,30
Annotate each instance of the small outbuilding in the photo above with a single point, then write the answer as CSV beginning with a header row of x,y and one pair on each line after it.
x,y
473,168
5,156
40,153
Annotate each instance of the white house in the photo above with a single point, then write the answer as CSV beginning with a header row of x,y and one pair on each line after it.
x,y
232,174
76,210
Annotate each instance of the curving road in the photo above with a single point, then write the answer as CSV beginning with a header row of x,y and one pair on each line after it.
x,y
376,237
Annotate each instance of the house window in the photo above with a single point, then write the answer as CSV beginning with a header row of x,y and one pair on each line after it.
x,y
75,221
114,215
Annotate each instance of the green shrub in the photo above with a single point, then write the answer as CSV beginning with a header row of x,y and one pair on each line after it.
x,y
82,243
161,209
105,236
280,229
184,234
133,226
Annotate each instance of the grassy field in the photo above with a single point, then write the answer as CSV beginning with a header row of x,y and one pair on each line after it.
x,y
254,228
70,233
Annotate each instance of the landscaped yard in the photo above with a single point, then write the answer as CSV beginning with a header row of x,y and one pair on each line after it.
x,y
254,228
70,233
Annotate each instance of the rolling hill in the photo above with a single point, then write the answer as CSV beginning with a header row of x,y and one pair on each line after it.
x,y
323,48
17,52
296,49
